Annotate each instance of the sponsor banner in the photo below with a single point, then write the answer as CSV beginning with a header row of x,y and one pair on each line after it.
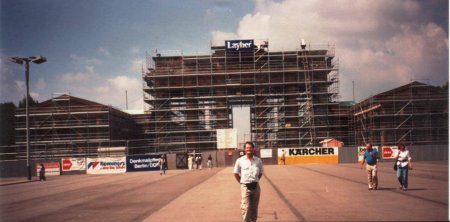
x,y
73,164
265,153
310,155
361,150
143,163
389,152
239,45
107,165
51,169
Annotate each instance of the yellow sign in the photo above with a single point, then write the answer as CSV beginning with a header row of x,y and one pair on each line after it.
x,y
309,155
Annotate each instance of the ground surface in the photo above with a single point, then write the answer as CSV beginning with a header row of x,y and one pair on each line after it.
x,y
312,192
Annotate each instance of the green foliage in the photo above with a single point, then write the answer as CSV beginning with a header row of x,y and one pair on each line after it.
x,y
445,86
31,102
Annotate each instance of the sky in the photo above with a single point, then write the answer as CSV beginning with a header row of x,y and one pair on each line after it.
x,y
96,49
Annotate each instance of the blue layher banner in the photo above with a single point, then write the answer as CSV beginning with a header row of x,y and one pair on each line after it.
x,y
239,45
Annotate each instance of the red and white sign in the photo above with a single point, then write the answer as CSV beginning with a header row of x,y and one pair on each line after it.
x,y
106,165
389,152
51,169
73,164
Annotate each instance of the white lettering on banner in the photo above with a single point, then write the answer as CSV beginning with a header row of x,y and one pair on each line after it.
x,y
239,45
141,166
146,160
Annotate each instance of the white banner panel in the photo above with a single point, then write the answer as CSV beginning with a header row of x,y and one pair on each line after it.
x,y
73,164
226,138
106,165
266,153
51,169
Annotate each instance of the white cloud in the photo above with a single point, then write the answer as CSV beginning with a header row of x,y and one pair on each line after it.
x,y
136,65
115,90
88,74
20,86
135,50
380,44
218,37
40,84
104,52
13,86
85,60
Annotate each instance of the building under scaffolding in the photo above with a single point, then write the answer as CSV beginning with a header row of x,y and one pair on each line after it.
x,y
414,114
69,126
292,95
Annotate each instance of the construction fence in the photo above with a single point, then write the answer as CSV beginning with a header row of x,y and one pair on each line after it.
x,y
227,158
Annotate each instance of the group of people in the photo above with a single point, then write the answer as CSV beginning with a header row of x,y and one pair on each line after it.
x,y
248,170
402,160
196,162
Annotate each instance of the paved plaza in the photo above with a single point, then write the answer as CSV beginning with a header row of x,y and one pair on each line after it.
x,y
308,192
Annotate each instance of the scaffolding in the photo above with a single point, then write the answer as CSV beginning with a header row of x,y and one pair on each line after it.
x,y
414,114
292,96
67,126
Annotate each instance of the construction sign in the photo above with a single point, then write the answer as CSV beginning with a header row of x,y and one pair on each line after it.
x,y
389,152
309,155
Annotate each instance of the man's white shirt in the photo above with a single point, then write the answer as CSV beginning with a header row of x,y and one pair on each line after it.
x,y
248,169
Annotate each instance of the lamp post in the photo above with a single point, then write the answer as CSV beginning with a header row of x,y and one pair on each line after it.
x,y
21,61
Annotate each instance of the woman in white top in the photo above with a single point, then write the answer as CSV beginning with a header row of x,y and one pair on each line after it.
x,y
403,164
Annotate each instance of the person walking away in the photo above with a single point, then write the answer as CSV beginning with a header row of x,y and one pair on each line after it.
x,y
283,157
42,173
404,164
371,156
209,163
190,158
248,170
196,162
162,165
199,163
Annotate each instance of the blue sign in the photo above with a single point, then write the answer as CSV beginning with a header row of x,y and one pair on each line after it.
x,y
239,45
142,163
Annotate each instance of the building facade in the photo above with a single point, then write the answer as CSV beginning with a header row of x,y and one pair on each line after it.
x,y
292,98
292,95
414,114
70,126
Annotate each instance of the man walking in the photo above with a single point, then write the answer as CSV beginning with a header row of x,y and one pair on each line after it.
x,y
371,156
247,171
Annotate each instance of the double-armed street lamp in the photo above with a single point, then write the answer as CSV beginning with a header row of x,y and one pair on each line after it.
x,y
21,61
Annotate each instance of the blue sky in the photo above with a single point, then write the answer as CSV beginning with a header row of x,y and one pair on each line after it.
x,y
96,48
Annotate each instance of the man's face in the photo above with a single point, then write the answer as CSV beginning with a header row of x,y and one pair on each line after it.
x,y
369,146
248,149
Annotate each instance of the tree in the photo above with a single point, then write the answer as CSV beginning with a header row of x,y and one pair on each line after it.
x,y
445,86
7,123
31,102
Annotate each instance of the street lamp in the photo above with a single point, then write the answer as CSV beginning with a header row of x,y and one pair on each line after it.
x,y
21,61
